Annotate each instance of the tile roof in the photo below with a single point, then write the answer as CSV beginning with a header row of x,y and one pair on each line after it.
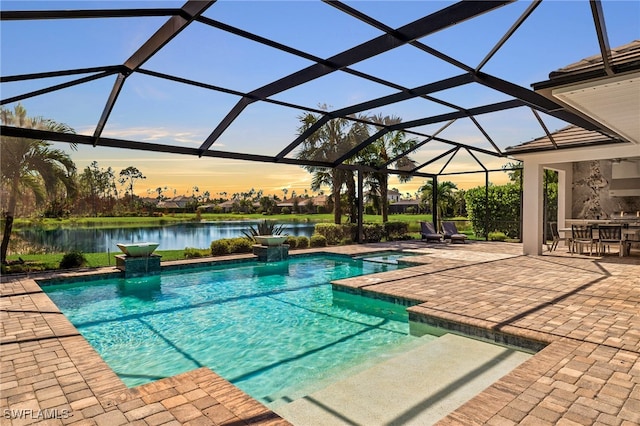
x,y
567,137
629,52
623,59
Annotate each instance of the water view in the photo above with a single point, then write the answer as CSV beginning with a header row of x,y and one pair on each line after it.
x,y
170,237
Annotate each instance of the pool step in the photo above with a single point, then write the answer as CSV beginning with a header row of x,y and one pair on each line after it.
x,y
418,387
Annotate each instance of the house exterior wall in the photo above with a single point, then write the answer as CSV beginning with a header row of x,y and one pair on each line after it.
x,y
557,160
591,199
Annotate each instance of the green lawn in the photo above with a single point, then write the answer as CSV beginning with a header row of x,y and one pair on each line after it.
x,y
48,261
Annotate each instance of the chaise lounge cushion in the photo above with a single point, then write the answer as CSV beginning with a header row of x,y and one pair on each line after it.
x,y
429,232
451,232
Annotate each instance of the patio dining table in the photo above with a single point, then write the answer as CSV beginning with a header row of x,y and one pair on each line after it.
x,y
629,234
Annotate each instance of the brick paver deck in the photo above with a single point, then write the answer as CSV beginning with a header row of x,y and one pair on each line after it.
x,y
584,312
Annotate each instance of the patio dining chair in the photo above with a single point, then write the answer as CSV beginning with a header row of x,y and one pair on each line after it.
x,y
582,235
609,235
555,237
429,233
451,232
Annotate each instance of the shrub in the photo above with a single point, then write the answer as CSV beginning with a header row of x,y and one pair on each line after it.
x,y
331,231
395,230
318,240
74,259
292,241
302,242
220,247
372,232
285,210
265,227
497,236
350,230
501,213
193,253
240,245
346,241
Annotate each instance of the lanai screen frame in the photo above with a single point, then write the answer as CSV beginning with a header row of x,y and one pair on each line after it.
x,y
192,11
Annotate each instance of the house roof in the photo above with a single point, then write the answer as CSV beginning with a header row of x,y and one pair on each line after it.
x,y
567,137
604,89
622,59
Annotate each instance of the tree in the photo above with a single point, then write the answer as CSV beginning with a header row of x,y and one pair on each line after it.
x,y
97,186
31,165
383,150
459,204
267,204
128,176
327,144
444,192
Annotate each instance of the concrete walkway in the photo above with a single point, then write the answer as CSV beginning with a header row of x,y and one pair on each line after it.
x,y
583,312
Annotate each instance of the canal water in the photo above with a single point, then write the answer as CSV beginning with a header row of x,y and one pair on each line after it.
x,y
170,237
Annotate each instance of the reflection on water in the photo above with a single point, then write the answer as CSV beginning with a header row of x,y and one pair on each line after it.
x,y
145,288
170,237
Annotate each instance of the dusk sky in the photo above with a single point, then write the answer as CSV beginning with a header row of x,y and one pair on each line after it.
x,y
557,34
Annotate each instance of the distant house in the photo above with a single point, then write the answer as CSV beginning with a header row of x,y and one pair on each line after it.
x,y
227,206
320,200
169,205
393,196
175,204
401,206
304,204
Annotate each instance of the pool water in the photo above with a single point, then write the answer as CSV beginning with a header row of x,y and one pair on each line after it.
x,y
272,329
390,257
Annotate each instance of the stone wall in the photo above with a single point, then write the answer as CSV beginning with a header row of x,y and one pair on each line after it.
x,y
591,198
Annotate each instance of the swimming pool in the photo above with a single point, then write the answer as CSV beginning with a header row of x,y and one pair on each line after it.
x,y
275,330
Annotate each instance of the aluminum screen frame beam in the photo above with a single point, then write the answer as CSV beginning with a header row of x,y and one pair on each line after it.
x,y
58,87
188,12
429,24
444,84
20,132
603,38
31,15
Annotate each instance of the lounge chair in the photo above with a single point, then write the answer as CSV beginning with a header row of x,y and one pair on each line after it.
x,y
429,232
451,232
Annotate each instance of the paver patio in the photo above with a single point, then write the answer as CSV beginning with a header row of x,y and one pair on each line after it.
x,y
584,312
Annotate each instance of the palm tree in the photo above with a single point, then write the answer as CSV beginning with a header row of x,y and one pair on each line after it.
x,y
383,150
31,165
325,144
445,193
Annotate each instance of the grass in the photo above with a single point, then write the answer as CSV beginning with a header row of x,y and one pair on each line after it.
x,y
50,261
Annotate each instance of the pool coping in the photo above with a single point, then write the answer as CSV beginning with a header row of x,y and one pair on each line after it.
x,y
56,370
